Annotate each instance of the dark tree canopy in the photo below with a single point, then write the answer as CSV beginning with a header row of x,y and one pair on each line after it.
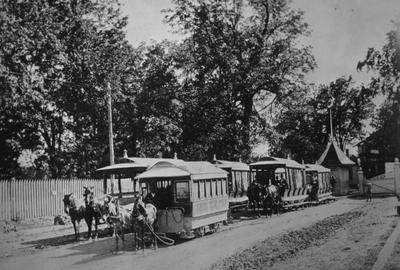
x,y
234,51
385,64
303,126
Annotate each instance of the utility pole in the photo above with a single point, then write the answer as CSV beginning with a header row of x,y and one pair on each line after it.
x,y
330,120
110,135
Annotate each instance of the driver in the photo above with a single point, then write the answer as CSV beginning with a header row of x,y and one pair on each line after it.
x,y
151,196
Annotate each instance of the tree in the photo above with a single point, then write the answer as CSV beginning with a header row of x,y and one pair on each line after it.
x,y
386,80
151,120
350,106
234,51
56,58
294,131
303,124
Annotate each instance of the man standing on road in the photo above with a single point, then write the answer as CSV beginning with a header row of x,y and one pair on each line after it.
x,y
368,191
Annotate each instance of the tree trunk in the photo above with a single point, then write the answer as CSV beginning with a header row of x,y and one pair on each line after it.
x,y
248,110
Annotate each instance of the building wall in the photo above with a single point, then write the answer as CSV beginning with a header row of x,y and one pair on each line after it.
x,y
342,176
354,182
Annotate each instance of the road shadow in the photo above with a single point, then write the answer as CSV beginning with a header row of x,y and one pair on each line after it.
x,y
374,195
106,248
64,239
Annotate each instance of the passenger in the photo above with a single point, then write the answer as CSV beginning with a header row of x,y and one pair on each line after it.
x,y
151,196
283,186
278,182
314,189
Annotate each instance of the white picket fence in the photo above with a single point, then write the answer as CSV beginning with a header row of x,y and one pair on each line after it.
x,y
34,198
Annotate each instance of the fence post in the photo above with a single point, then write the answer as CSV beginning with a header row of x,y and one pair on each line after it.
x,y
12,197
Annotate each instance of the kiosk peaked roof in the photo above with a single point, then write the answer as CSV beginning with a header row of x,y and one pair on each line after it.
x,y
338,154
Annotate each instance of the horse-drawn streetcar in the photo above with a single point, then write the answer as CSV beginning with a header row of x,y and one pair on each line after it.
x,y
271,170
316,172
191,197
238,181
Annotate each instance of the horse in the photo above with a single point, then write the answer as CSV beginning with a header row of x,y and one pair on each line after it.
x,y
256,194
120,218
143,217
272,200
275,192
77,210
95,206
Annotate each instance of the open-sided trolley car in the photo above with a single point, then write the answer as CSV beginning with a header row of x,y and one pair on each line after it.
x,y
323,175
191,197
238,181
127,168
267,170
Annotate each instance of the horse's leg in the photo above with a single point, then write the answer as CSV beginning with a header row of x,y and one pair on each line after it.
x,y
89,225
78,223
75,230
134,237
155,238
143,244
122,235
135,243
96,225
115,232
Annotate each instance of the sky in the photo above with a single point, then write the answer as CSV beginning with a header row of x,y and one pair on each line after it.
x,y
342,30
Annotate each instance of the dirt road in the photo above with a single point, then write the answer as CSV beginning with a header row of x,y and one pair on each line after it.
x,y
195,254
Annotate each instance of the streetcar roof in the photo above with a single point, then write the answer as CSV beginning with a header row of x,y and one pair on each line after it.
x,y
194,170
172,172
234,165
271,162
316,168
123,168
145,161
132,165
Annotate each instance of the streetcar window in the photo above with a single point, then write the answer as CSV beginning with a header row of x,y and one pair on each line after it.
x,y
182,191
208,191
195,190
202,191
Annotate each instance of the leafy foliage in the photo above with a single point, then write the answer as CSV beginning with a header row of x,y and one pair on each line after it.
x,y
234,50
304,122
386,81
56,58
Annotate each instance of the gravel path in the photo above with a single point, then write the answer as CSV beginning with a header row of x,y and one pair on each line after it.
x,y
355,245
195,254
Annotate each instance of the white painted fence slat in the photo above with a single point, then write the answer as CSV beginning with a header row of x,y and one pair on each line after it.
x,y
34,198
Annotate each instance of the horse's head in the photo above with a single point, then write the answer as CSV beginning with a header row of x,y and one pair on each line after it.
x,y
110,211
139,209
69,202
